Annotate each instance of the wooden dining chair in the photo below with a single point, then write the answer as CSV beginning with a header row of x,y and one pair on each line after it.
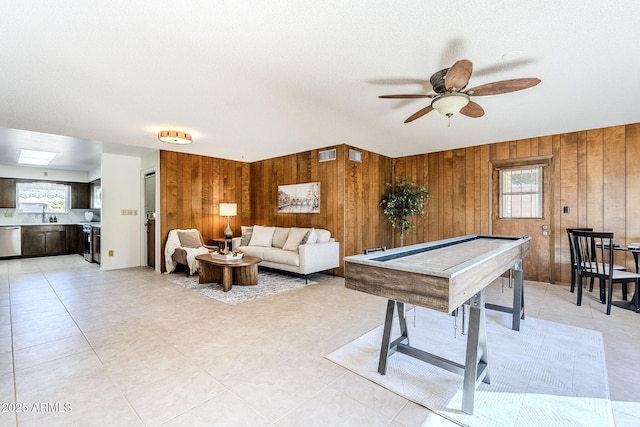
x,y
574,263
594,252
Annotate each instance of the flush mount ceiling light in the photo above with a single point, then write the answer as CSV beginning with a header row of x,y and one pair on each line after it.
x,y
174,137
450,103
37,158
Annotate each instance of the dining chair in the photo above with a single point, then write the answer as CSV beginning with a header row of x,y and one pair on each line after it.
x,y
574,263
574,267
594,251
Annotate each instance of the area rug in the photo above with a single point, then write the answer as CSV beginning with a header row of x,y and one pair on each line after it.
x,y
269,283
546,374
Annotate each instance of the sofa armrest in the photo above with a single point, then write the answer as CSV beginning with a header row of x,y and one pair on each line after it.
x,y
316,257
235,243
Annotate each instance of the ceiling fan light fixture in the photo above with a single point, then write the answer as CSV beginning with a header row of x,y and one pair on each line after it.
x,y
174,137
449,104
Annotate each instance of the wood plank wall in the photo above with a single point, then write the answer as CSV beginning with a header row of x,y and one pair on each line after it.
x,y
349,196
192,186
594,172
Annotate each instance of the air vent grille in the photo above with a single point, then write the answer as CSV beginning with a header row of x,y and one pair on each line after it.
x,y
327,155
355,156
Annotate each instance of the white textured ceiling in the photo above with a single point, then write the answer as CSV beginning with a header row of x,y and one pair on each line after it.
x,y
258,79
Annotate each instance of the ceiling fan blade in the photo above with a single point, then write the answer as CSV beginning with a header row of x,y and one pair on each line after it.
x,y
472,110
419,113
504,86
458,75
408,96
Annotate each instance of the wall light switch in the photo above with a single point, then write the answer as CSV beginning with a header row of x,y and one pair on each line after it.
x,y
565,209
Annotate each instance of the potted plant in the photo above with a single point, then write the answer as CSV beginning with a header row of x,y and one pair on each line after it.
x,y
404,200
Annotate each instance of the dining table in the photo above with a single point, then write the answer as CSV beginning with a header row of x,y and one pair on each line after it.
x,y
634,303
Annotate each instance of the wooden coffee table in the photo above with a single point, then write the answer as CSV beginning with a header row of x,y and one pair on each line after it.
x,y
242,272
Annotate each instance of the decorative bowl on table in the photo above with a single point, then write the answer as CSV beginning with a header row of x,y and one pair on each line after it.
x,y
227,257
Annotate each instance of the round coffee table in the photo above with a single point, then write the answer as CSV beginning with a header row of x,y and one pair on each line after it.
x,y
243,271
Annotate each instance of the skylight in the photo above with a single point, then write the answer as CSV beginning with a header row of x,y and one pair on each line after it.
x,y
38,158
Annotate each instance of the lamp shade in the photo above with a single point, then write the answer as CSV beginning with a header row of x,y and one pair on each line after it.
x,y
228,209
451,103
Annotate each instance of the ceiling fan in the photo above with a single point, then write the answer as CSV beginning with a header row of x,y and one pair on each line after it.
x,y
450,96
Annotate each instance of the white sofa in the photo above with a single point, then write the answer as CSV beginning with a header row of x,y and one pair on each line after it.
x,y
296,250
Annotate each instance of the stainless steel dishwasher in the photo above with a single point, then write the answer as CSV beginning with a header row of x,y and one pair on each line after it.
x,y
10,241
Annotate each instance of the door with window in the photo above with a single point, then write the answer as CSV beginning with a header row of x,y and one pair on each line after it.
x,y
521,206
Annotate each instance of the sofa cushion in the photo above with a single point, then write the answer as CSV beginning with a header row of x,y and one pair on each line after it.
x,y
262,236
189,239
323,236
256,251
310,238
246,235
281,256
295,239
280,237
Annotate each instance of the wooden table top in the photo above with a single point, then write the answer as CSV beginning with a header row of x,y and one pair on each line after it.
x,y
440,275
242,262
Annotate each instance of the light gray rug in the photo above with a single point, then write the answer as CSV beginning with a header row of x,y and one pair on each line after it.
x,y
547,374
269,283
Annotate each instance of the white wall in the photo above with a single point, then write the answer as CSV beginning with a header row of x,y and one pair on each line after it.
x,y
42,174
121,190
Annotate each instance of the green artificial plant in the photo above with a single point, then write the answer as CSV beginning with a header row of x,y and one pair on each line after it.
x,y
405,200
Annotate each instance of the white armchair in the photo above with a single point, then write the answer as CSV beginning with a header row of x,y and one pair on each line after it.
x,y
182,248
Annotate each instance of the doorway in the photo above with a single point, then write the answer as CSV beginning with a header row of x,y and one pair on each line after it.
x,y
150,217
521,205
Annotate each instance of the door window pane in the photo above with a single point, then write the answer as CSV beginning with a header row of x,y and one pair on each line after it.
x,y
521,192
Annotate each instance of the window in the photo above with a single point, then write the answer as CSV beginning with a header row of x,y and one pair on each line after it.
x,y
39,197
521,192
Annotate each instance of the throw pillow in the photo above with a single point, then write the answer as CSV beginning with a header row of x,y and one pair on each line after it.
x,y
280,237
294,239
311,237
262,236
246,235
189,239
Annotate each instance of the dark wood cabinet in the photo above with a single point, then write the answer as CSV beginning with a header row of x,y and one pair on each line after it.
x,y
80,195
40,240
8,193
74,239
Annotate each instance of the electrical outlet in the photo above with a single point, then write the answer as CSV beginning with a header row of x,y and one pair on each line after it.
x,y
8,214
111,253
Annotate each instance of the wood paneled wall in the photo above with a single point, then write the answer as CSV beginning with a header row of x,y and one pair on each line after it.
x,y
192,186
594,173
349,195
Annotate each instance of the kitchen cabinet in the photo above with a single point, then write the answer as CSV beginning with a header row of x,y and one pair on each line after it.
x,y
80,195
8,193
74,239
95,194
39,240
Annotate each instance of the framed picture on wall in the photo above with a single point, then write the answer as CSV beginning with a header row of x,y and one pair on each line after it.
x,y
299,198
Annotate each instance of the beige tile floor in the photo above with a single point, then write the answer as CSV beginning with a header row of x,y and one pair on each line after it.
x,y
80,346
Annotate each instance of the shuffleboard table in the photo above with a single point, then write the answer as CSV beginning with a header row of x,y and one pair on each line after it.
x,y
441,275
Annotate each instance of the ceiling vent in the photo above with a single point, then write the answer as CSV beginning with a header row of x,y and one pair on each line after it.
x,y
327,155
355,156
